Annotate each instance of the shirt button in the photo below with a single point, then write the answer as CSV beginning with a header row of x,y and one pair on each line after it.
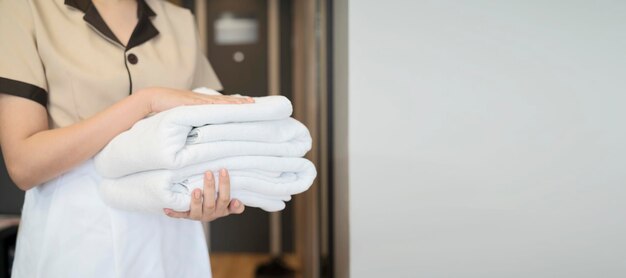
x,y
132,58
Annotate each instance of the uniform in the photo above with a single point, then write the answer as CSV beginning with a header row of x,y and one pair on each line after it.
x,y
62,55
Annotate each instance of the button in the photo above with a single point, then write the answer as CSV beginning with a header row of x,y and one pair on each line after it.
x,y
132,58
239,57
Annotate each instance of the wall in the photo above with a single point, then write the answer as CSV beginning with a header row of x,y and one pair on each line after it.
x,y
484,138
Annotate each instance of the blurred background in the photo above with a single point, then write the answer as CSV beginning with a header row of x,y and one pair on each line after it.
x,y
452,138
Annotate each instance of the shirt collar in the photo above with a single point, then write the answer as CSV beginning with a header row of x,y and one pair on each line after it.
x,y
143,32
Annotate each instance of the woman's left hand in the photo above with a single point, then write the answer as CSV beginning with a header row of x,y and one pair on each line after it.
x,y
204,206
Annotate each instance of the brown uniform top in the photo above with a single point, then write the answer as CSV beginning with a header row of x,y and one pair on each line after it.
x,y
61,54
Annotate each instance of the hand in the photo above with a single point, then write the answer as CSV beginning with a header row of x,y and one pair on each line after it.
x,y
161,99
204,207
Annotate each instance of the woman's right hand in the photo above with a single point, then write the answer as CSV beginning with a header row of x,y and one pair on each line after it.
x,y
160,99
206,205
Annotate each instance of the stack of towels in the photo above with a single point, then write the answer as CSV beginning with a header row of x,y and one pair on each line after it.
x,y
159,161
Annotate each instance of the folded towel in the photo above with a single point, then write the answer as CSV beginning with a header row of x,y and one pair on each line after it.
x,y
250,199
160,141
287,130
258,181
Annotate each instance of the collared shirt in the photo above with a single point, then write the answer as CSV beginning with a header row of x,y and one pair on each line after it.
x,y
61,54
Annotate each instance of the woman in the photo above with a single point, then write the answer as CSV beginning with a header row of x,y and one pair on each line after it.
x,y
73,75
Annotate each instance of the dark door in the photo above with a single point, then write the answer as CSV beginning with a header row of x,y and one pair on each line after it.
x,y
11,197
237,46
238,51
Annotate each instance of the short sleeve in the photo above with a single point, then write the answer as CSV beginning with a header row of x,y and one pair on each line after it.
x,y
21,70
204,75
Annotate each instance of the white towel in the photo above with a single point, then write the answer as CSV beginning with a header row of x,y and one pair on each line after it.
x,y
258,181
287,130
160,141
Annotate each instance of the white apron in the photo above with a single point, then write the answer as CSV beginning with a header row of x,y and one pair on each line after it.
x,y
67,231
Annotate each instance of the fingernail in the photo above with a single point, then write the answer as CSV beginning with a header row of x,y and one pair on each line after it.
x,y
236,204
223,172
196,193
167,211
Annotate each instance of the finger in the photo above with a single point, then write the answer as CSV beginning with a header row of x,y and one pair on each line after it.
x,y
199,100
176,214
195,210
204,99
237,99
232,100
223,193
236,207
220,99
248,100
208,206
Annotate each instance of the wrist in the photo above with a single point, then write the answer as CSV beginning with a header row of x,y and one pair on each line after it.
x,y
143,100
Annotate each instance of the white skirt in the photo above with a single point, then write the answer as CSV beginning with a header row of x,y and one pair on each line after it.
x,y
67,231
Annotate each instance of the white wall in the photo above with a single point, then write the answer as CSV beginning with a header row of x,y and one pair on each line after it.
x,y
485,138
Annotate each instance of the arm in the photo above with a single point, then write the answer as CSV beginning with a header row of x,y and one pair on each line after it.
x,y
35,154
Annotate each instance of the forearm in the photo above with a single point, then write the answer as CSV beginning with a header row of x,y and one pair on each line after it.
x,y
34,154
46,154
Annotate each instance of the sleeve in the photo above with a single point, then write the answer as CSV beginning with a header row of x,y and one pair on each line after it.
x,y
21,70
204,75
